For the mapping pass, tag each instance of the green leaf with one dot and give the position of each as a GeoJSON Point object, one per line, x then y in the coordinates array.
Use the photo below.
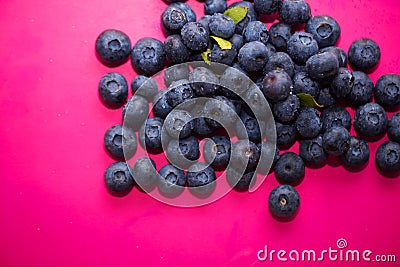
{"type": "Point", "coordinates": [206, 56]}
{"type": "Point", "coordinates": [237, 13]}
{"type": "Point", "coordinates": [222, 43]}
{"type": "Point", "coordinates": [306, 100]}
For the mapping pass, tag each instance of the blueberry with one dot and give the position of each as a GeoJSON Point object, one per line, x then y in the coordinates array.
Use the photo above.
{"type": "Point", "coordinates": [179, 92]}
{"type": "Point", "coordinates": [179, 124]}
{"type": "Point", "coordinates": [171, 181]}
{"type": "Point", "coordinates": [289, 169]}
{"type": "Point", "coordinates": [357, 155]}
{"type": "Point", "coordinates": [148, 87]}
{"type": "Point", "coordinates": [161, 108]}
{"type": "Point", "coordinates": [237, 41]}
{"type": "Point", "coordinates": [287, 110]}
{"type": "Point", "coordinates": [205, 21]}
{"type": "Point", "coordinates": [335, 116]}
{"type": "Point", "coordinates": [364, 54]}
{"type": "Point", "coordinates": [256, 100]}
{"type": "Point", "coordinates": [145, 174]}
{"type": "Point", "coordinates": [238, 182]}
{"type": "Point", "coordinates": [370, 121]}
{"type": "Point", "coordinates": [340, 54]}
{"type": "Point", "coordinates": [221, 111]}
{"type": "Point", "coordinates": [176, 73]}
{"type": "Point", "coordinates": [135, 112]}
{"type": "Point", "coordinates": [201, 127]}
{"type": "Point", "coordinates": [173, 19]}
{"type": "Point", "coordinates": [148, 56]}
{"type": "Point", "coordinates": [295, 12]}
{"type": "Point", "coordinates": [182, 152]}
{"type": "Point", "coordinates": [308, 123]}
{"type": "Point", "coordinates": [336, 140]}
{"type": "Point", "coordinates": [118, 179]}
{"type": "Point", "coordinates": [277, 85]}
{"type": "Point", "coordinates": [312, 152]}
{"type": "Point", "coordinates": [195, 36]}
{"type": "Point", "coordinates": [113, 47]}
{"type": "Point", "coordinates": [120, 142]}
{"type": "Point", "coordinates": [217, 151]}
{"type": "Point", "coordinates": [280, 61]}
{"type": "Point", "coordinates": [150, 134]}
{"type": "Point", "coordinates": [256, 31]}
{"type": "Point", "coordinates": [201, 179]}
{"type": "Point", "coordinates": [214, 6]}
{"type": "Point", "coordinates": [223, 56]}
{"type": "Point", "coordinates": [393, 129]}
{"type": "Point", "coordinates": [325, 29]}
{"type": "Point", "coordinates": [204, 82]}
{"type": "Point", "coordinates": [301, 46]}
{"type": "Point", "coordinates": [279, 35]}
{"type": "Point", "coordinates": [267, 6]}
{"type": "Point", "coordinates": [387, 159]}
{"type": "Point", "coordinates": [113, 89]}
{"type": "Point", "coordinates": [342, 83]}
{"type": "Point", "coordinates": [322, 67]}
{"type": "Point", "coordinates": [245, 155]}
{"type": "Point", "coordinates": [235, 80]}
{"type": "Point", "coordinates": [362, 90]}
{"type": "Point", "coordinates": [285, 135]}
{"type": "Point", "coordinates": [190, 14]}
{"type": "Point", "coordinates": [267, 149]}
{"type": "Point", "coordinates": [325, 97]}
{"type": "Point", "coordinates": [253, 56]}
{"type": "Point", "coordinates": [221, 25]}
{"type": "Point", "coordinates": [251, 128]}
{"type": "Point", "coordinates": [284, 202]}
{"type": "Point", "coordinates": [235, 105]}
{"type": "Point", "coordinates": [387, 90]}
{"type": "Point", "coordinates": [303, 83]}
{"type": "Point", "coordinates": [175, 49]}
{"type": "Point", "coordinates": [250, 16]}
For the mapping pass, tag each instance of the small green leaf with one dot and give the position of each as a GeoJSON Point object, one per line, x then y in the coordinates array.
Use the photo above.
{"type": "Point", "coordinates": [306, 100]}
{"type": "Point", "coordinates": [237, 13]}
{"type": "Point", "coordinates": [206, 56]}
{"type": "Point", "coordinates": [222, 43]}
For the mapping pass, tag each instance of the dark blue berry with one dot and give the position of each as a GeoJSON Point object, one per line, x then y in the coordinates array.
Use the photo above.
{"type": "Point", "coordinates": [120, 142]}
{"type": "Point", "coordinates": [201, 127]}
{"type": "Point", "coordinates": [250, 16]}
{"type": "Point", "coordinates": [145, 173]}
{"type": "Point", "coordinates": [387, 159]}
{"type": "Point", "coordinates": [237, 41]}
{"type": "Point", "coordinates": [217, 151]}
{"type": "Point", "coordinates": [235, 80]}
{"type": "Point", "coordinates": [201, 179]}
{"type": "Point", "coordinates": [335, 116]}
{"type": "Point", "coordinates": [150, 134]}
{"type": "Point", "coordinates": [312, 152]}
{"type": "Point", "coordinates": [253, 56]}
{"type": "Point", "coordinates": [214, 6]}
{"type": "Point", "coordinates": [148, 56]}
{"type": "Point", "coordinates": [195, 36]}
{"type": "Point", "coordinates": [336, 140]}
{"type": "Point", "coordinates": [340, 54]}
{"type": "Point", "coordinates": [295, 12]}
{"type": "Point", "coordinates": [362, 90]}
{"type": "Point", "coordinates": [285, 135]}
{"type": "Point", "coordinates": [223, 56]}
{"type": "Point", "coordinates": [342, 83]}
{"type": "Point", "coordinates": [322, 67]}
{"type": "Point", "coordinates": [280, 61]}
{"type": "Point", "coordinates": [303, 83]}
{"type": "Point", "coordinates": [256, 31]}
{"type": "Point", "coordinates": [171, 181]}
{"type": "Point", "coordinates": [277, 85]}
{"type": "Point", "coordinates": [238, 182]}
{"type": "Point", "coordinates": [267, 6]}
{"type": "Point", "coordinates": [251, 128]}
{"type": "Point", "coordinates": [113, 89]}
{"type": "Point", "coordinates": [175, 49]}
{"type": "Point", "coordinates": [179, 124]}
{"type": "Point", "coordinates": [308, 123]}
{"type": "Point", "coordinates": [182, 152]}
{"type": "Point", "coordinates": [113, 47]}
{"type": "Point", "coordinates": [387, 90]}
{"type": "Point", "coordinates": [364, 54]}
{"type": "Point", "coordinates": [279, 35]}
{"type": "Point", "coordinates": [161, 108]}
{"type": "Point", "coordinates": [301, 46]}
{"type": "Point", "coordinates": [189, 12]}
{"type": "Point", "coordinates": [289, 169]}
{"type": "Point", "coordinates": [325, 29]}
{"type": "Point", "coordinates": [148, 87]}
{"type": "Point", "coordinates": [179, 92]}
{"type": "Point", "coordinates": [221, 25]}
{"type": "Point", "coordinates": [173, 19]}
{"type": "Point", "coordinates": [204, 82]}
{"type": "Point", "coordinates": [284, 202]}
{"type": "Point", "coordinates": [287, 110]}
{"type": "Point", "coordinates": [357, 155]}
{"type": "Point", "coordinates": [135, 112]}
{"type": "Point", "coordinates": [118, 179]}
{"type": "Point", "coordinates": [370, 121]}
{"type": "Point", "coordinates": [393, 129]}
{"type": "Point", "coordinates": [245, 155]}
{"type": "Point", "coordinates": [325, 97]}
{"type": "Point", "coordinates": [176, 73]}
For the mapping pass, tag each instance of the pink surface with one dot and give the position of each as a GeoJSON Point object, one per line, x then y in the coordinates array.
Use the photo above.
{"type": "Point", "coordinates": [54, 208]}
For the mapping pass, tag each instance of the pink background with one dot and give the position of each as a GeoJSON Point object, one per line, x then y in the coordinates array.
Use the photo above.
{"type": "Point", "coordinates": [54, 208]}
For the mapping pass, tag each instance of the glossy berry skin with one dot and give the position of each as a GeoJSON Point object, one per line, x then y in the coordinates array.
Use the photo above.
{"type": "Point", "coordinates": [387, 90]}
{"type": "Point", "coordinates": [205, 21]}
{"type": "Point", "coordinates": [217, 151]}
{"type": "Point", "coordinates": [150, 133]}
{"type": "Point", "coordinates": [135, 112]}
{"type": "Point", "coordinates": [175, 49]}
{"type": "Point", "coordinates": [176, 73]}
{"type": "Point", "coordinates": [201, 127]}
{"type": "Point", "coordinates": [322, 67]}
{"type": "Point", "coordinates": [214, 6]}
{"type": "Point", "coordinates": [325, 97]}
{"type": "Point", "coordinates": [204, 82]}
{"type": "Point", "coordinates": [251, 15]}
{"type": "Point", "coordinates": [364, 54]}
{"type": "Point", "coordinates": [289, 169]}
{"type": "Point", "coordinates": [287, 110]}
{"type": "Point", "coordinates": [113, 90]}
{"type": "Point", "coordinates": [171, 181]}
{"type": "Point", "coordinates": [312, 152]}
{"type": "Point", "coordinates": [179, 124]}
{"type": "Point", "coordinates": [183, 152]}
{"type": "Point", "coordinates": [245, 155]}
{"type": "Point", "coordinates": [118, 179]}
{"type": "Point", "coordinates": [145, 173]}
{"type": "Point", "coordinates": [362, 90]}
{"type": "Point", "coordinates": [201, 179]}
{"type": "Point", "coordinates": [195, 36]}
{"type": "Point", "coordinates": [223, 56]}
{"type": "Point", "coordinates": [336, 140]}
{"type": "Point", "coordinates": [370, 121]}
{"type": "Point", "coordinates": [285, 135]}
{"type": "Point", "coordinates": [325, 29]}
{"type": "Point", "coordinates": [393, 129]}
{"type": "Point", "coordinates": [252, 129]}
{"type": "Point", "coordinates": [256, 31]}
{"type": "Point", "coordinates": [179, 92]}
{"type": "Point", "coordinates": [357, 155]}
{"type": "Point", "coordinates": [340, 54]}
{"type": "Point", "coordinates": [303, 83]}
{"type": "Point", "coordinates": [189, 12]}
{"type": "Point", "coordinates": [342, 83]}
{"type": "Point", "coordinates": [280, 61]}
{"type": "Point", "coordinates": [279, 35]}
{"type": "Point", "coordinates": [173, 19]}
{"type": "Point", "coordinates": [161, 108]}
{"type": "Point", "coordinates": [284, 202]}
{"type": "Point", "coordinates": [236, 41]}
{"type": "Point", "coordinates": [113, 47]}
{"type": "Point", "coordinates": [308, 123]}
{"type": "Point", "coordinates": [276, 85]}
{"type": "Point", "coordinates": [335, 116]}
{"type": "Point", "coordinates": [387, 158]}
{"type": "Point", "coordinates": [120, 142]}
{"type": "Point", "coordinates": [238, 182]}
{"type": "Point", "coordinates": [148, 87]}
{"type": "Point", "coordinates": [253, 56]}
{"type": "Point", "coordinates": [301, 46]}
{"type": "Point", "coordinates": [267, 6]}
{"type": "Point", "coordinates": [294, 12]}
{"type": "Point", "coordinates": [148, 56]}
{"type": "Point", "coordinates": [221, 25]}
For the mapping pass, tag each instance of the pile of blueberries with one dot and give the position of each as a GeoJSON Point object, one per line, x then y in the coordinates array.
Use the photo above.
{"type": "Point", "coordinates": [301, 73]}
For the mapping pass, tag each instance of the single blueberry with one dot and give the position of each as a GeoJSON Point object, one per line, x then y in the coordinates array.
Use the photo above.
{"type": "Point", "coordinates": [118, 179]}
